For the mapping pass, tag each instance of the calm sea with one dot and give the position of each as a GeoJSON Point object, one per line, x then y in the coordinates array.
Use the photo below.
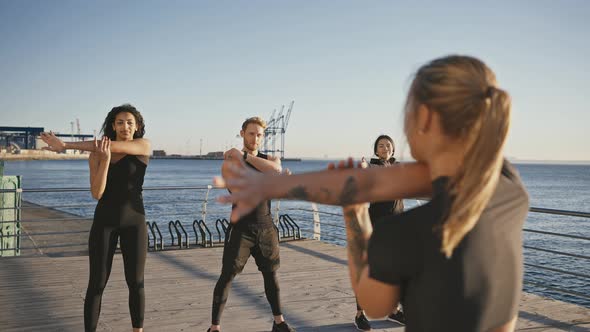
{"type": "Point", "coordinates": [565, 187]}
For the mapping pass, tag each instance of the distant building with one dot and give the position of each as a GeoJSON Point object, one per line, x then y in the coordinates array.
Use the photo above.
{"type": "Point", "coordinates": [27, 138]}
{"type": "Point", "coordinates": [215, 155]}
{"type": "Point", "coordinates": [19, 137]}
{"type": "Point", "coordinates": [159, 153]}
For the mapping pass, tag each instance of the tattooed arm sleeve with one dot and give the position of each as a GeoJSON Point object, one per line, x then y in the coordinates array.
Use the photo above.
{"type": "Point", "coordinates": [358, 232]}
{"type": "Point", "coordinates": [350, 186]}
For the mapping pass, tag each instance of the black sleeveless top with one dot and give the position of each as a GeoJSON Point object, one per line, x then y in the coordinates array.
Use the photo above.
{"type": "Point", "coordinates": [125, 181]}
{"type": "Point", "coordinates": [378, 210]}
{"type": "Point", "coordinates": [261, 216]}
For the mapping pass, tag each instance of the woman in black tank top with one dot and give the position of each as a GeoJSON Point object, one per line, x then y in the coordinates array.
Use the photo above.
{"type": "Point", "coordinates": [384, 149]}
{"type": "Point", "coordinates": [117, 169]}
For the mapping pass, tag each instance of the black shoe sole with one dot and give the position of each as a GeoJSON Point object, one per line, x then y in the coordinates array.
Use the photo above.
{"type": "Point", "coordinates": [358, 328]}
{"type": "Point", "coordinates": [395, 321]}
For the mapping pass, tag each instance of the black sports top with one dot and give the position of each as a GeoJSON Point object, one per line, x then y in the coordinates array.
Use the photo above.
{"type": "Point", "coordinates": [378, 210]}
{"type": "Point", "coordinates": [125, 180]}
{"type": "Point", "coordinates": [261, 216]}
{"type": "Point", "coordinates": [479, 287]}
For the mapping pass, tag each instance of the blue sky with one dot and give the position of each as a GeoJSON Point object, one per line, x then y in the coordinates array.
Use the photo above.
{"type": "Point", "coordinates": [197, 69]}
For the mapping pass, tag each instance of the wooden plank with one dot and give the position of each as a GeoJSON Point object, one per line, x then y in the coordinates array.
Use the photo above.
{"type": "Point", "coordinates": [46, 293]}
{"type": "Point", "coordinates": [45, 244]}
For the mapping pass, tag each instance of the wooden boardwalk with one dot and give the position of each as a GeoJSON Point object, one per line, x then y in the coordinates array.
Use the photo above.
{"type": "Point", "coordinates": [46, 294]}
{"type": "Point", "coordinates": [42, 232]}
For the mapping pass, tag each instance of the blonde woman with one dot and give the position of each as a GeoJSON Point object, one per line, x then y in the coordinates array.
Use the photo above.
{"type": "Point", "coordinates": [462, 263]}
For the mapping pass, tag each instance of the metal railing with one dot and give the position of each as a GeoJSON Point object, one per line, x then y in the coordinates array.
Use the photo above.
{"type": "Point", "coordinates": [155, 238]}
{"type": "Point", "coordinates": [586, 277]}
{"type": "Point", "coordinates": [224, 227]}
{"type": "Point", "coordinates": [178, 236]}
{"type": "Point", "coordinates": [287, 227]}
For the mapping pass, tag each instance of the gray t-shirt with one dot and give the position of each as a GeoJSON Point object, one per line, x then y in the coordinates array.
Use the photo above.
{"type": "Point", "coordinates": [479, 287]}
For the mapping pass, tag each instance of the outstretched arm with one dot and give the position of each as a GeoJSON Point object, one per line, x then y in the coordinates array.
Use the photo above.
{"type": "Point", "coordinates": [138, 146]}
{"type": "Point", "coordinates": [335, 187]}
{"type": "Point", "coordinates": [378, 299]}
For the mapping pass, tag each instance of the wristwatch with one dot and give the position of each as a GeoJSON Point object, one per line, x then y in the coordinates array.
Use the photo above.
{"type": "Point", "coordinates": [245, 155]}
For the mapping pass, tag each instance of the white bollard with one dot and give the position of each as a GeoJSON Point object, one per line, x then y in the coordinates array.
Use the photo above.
{"type": "Point", "coordinates": [317, 229]}
{"type": "Point", "coordinates": [204, 205]}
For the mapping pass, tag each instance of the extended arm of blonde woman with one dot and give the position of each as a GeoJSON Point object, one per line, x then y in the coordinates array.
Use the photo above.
{"type": "Point", "coordinates": [377, 298]}
{"type": "Point", "coordinates": [335, 187]}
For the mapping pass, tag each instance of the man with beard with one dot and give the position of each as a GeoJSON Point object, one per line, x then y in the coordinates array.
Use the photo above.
{"type": "Point", "coordinates": [252, 235]}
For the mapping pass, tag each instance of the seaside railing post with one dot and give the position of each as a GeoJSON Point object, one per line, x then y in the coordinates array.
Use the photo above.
{"type": "Point", "coordinates": [17, 214]}
{"type": "Point", "coordinates": [204, 205]}
{"type": "Point", "coordinates": [277, 210]}
{"type": "Point", "coordinates": [10, 201]}
{"type": "Point", "coordinates": [2, 195]}
{"type": "Point", "coordinates": [317, 229]}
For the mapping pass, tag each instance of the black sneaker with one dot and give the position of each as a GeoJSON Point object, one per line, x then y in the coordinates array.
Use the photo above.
{"type": "Point", "coordinates": [397, 317]}
{"type": "Point", "coordinates": [362, 323]}
{"type": "Point", "coordinates": [283, 327]}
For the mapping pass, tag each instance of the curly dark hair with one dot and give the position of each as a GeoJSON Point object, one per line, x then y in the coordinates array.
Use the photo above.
{"type": "Point", "coordinates": [107, 126]}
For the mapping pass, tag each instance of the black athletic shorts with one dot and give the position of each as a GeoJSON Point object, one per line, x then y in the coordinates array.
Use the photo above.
{"type": "Point", "coordinates": [261, 243]}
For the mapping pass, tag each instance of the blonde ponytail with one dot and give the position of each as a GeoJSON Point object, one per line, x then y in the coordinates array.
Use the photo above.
{"type": "Point", "coordinates": [476, 181]}
{"type": "Point", "coordinates": [462, 90]}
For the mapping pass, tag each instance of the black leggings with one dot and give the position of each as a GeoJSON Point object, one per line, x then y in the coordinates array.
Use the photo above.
{"type": "Point", "coordinates": [240, 244]}
{"type": "Point", "coordinates": [221, 293]}
{"type": "Point", "coordinates": [113, 222]}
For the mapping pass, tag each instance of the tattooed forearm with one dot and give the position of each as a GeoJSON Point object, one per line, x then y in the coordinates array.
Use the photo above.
{"type": "Point", "coordinates": [327, 193]}
{"type": "Point", "coordinates": [349, 192]}
{"type": "Point", "coordinates": [323, 195]}
{"type": "Point", "coordinates": [358, 229]}
{"type": "Point", "coordinates": [301, 193]}
{"type": "Point", "coordinates": [298, 192]}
